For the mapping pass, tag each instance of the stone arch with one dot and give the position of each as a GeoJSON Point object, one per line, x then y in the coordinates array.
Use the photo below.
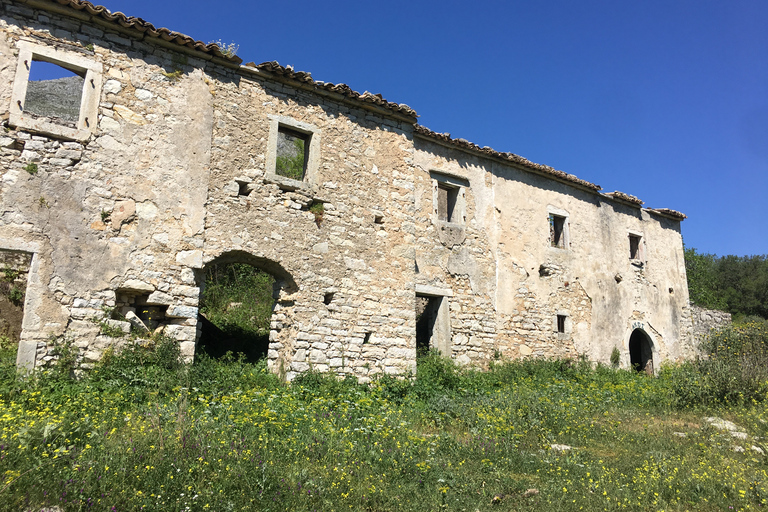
{"type": "Point", "coordinates": [283, 279]}
{"type": "Point", "coordinates": [641, 352]}
{"type": "Point", "coordinates": [216, 339]}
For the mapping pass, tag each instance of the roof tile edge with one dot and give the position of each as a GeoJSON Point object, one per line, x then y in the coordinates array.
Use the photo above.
{"type": "Point", "coordinates": [509, 157]}
{"type": "Point", "coordinates": [138, 24]}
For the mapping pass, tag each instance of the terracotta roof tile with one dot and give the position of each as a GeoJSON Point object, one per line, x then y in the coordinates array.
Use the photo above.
{"type": "Point", "coordinates": [509, 157]}
{"type": "Point", "coordinates": [621, 196]}
{"type": "Point", "coordinates": [146, 28]}
{"type": "Point", "coordinates": [666, 212]}
{"type": "Point", "coordinates": [302, 76]}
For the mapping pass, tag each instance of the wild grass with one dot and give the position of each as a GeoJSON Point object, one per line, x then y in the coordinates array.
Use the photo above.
{"type": "Point", "coordinates": [143, 432]}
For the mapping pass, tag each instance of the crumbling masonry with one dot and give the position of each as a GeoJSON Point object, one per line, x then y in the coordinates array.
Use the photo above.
{"type": "Point", "coordinates": [173, 156]}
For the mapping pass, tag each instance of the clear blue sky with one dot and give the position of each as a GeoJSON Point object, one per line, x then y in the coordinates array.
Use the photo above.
{"type": "Point", "coordinates": [664, 100]}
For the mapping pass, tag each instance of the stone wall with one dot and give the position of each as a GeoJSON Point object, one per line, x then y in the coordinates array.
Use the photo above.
{"type": "Point", "coordinates": [171, 166]}
{"type": "Point", "coordinates": [704, 320]}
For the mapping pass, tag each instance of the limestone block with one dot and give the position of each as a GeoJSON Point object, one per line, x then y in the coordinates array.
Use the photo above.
{"type": "Point", "coordinates": [125, 327]}
{"type": "Point", "coordinates": [192, 259]}
{"type": "Point", "coordinates": [317, 356]}
{"type": "Point", "coordinates": [129, 115]}
{"type": "Point", "coordinates": [186, 291]}
{"type": "Point", "coordinates": [181, 332]}
{"type": "Point", "coordinates": [159, 298]}
{"type": "Point", "coordinates": [181, 312]}
{"type": "Point", "coordinates": [137, 322]}
{"type": "Point", "coordinates": [134, 285]}
{"type": "Point", "coordinates": [109, 125]}
{"type": "Point", "coordinates": [143, 94]}
{"type": "Point", "coordinates": [112, 87]}
{"type": "Point", "coordinates": [187, 349]}
{"type": "Point", "coordinates": [124, 211]}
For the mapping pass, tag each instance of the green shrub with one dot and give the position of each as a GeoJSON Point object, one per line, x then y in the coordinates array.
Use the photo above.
{"type": "Point", "coordinates": [615, 357]}
{"type": "Point", "coordinates": [734, 368]}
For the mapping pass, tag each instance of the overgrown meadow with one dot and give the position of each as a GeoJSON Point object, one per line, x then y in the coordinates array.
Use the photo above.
{"type": "Point", "coordinates": [143, 432]}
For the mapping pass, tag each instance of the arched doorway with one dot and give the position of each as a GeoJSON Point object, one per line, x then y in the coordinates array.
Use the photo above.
{"type": "Point", "coordinates": [238, 296]}
{"type": "Point", "coordinates": [641, 352]}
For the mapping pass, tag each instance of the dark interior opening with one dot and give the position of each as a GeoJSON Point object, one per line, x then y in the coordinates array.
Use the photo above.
{"type": "Point", "coordinates": [640, 351]}
{"type": "Point", "coordinates": [236, 310]}
{"type": "Point", "coordinates": [634, 247]}
{"type": "Point", "coordinates": [560, 323]}
{"type": "Point", "coordinates": [426, 316]}
{"type": "Point", "coordinates": [557, 230]}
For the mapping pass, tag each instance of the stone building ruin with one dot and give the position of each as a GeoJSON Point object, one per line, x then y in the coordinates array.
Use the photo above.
{"type": "Point", "coordinates": [176, 156]}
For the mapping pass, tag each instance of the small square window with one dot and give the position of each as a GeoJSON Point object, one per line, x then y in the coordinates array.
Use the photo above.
{"type": "Point", "coordinates": [292, 153]}
{"type": "Point", "coordinates": [55, 92]}
{"type": "Point", "coordinates": [446, 202]}
{"type": "Point", "coordinates": [291, 157]}
{"type": "Point", "coordinates": [635, 247]}
{"type": "Point", "coordinates": [561, 323]}
{"type": "Point", "coordinates": [557, 231]}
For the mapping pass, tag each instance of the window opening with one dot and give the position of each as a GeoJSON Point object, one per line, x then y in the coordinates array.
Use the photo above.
{"type": "Point", "coordinates": [152, 316]}
{"type": "Point", "coordinates": [328, 298]}
{"type": "Point", "coordinates": [54, 91]}
{"type": "Point", "coordinates": [378, 219]}
{"type": "Point", "coordinates": [634, 247]}
{"type": "Point", "coordinates": [366, 338]}
{"type": "Point", "coordinates": [557, 230]}
{"type": "Point", "coordinates": [446, 202]}
{"type": "Point", "coordinates": [561, 323]}
{"type": "Point", "coordinates": [291, 159]}
{"type": "Point", "coordinates": [427, 309]}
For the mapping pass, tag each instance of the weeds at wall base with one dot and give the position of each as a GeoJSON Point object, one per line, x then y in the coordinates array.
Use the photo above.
{"type": "Point", "coordinates": [143, 430]}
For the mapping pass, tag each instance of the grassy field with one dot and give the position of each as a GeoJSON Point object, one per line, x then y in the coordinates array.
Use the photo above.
{"type": "Point", "coordinates": [142, 432]}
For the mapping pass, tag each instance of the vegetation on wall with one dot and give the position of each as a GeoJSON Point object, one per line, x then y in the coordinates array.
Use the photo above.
{"type": "Point", "coordinates": [290, 160]}
{"type": "Point", "coordinates": [737, 284]}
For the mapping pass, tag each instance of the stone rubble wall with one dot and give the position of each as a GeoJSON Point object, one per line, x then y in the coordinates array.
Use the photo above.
{"type": "Point", "coordinates": [364, 175]}
{"type": "Point", "coordinates": [121, 212]}
{"type": "Point", "coordinates": [705, 320]}
{"type": "Point", "coordinates": [178, 174]}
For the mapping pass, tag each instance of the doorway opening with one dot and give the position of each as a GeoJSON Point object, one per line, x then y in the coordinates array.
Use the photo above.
{"type": "Point", "coordinates": [641, 352]}
{"type": "Point", "coordinates": [427, 310]}
{"type": "Point", "coordinates": [239, 293]}
{"type": "Point", "coordinates": [433, 324]}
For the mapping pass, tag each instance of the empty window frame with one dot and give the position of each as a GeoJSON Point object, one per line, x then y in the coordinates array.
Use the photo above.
{"type": "Point", "coordinates": [561, 323]}
{"type": "Point", "coordinates": [446, 202]}
{"type": "Point", "coordinates": [292, 152]}
{"type": "Point", "coordinates": [449, 197]}
{"type": "Point", "coordinates": [558, 230]}
{"type": "Point", "coordinates": [55, 92]}
{"type": "Point", "coordinates": [636, 247]}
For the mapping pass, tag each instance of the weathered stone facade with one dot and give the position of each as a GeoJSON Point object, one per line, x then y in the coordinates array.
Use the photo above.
{"type": "Point", "coordinates": [171, 166]}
